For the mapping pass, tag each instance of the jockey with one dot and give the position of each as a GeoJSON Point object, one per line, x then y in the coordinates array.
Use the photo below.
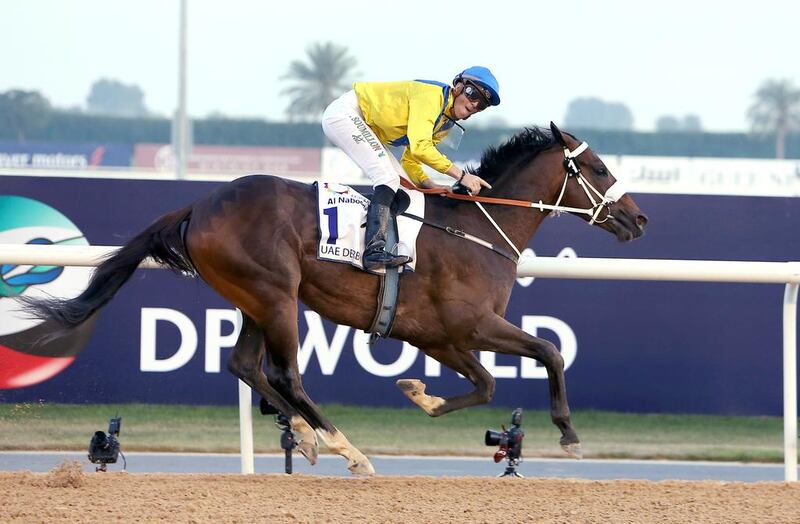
{"type": "Point", "coordinates": [417, 114]}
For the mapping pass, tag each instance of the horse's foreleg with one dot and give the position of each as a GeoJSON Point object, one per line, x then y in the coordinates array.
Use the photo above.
{"type": "Point", "coordinates": [462, 362]}
{"type": "Point", "coordinates": [246, 363]}
{"type": "Point", "coordinates": [501, 336]}
{"type": "Point", "coordinates": [281, 336]}
{"type": "Point", "coordinates": [287, 381]}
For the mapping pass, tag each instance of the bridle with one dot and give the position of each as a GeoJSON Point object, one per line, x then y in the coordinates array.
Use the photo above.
{"type": "Point", "coordinates": [614, 192]}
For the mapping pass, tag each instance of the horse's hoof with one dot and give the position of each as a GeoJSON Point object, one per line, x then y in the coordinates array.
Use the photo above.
{"type": "Point", "coordinates": [573, 450]}
{"type": "Point", "coordinates": [414, 389]}
{"type": "Point", "coordinates": [362, 468]}
{"type": "Point", "coordinates": [411, 386]}
{"type": "Point", "coordinates": [309, 450]}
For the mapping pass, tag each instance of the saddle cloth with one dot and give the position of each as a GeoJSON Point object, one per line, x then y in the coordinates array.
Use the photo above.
{"type": "Point", "coordinates": [341, 213]}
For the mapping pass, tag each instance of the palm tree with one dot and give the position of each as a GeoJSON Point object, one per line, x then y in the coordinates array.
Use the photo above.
{"type": "Point", "coordinates": [318, 82]}
{"type": "Point", "coordinates": [776, 110]}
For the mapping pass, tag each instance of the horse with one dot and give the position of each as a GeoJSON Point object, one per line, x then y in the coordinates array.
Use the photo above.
{"type": "Point", "coordinates": [254, 241]}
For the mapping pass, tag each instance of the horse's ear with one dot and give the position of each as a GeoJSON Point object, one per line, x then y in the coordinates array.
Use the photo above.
{"type": "Point", "coordinates": [557, 134]}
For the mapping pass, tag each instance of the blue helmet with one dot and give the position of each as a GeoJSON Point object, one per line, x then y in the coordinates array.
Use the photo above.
{"type": "Point", "coordinates": [484, 78]}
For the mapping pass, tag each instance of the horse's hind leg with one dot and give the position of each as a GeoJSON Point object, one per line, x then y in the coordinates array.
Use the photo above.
{"type": "Point", "coordinates": [462, 362]}
{"type": "Point", "coordinates": [501, 336]}
{"type": "Point", "coordinates": [279, 325]}
{"type": "Point", "coordinates": [246, 363]}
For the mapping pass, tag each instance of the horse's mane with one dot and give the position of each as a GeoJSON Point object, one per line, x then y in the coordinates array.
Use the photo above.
{"type": "Point", "coordinates": [521, 148]}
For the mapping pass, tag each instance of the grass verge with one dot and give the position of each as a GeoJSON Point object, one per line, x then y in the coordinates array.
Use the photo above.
{"type": "Point", "coordinates": [397, 431]}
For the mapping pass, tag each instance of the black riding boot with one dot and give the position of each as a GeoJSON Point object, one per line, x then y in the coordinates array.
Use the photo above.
{"type": "Point", "coordinates": [378, 223]}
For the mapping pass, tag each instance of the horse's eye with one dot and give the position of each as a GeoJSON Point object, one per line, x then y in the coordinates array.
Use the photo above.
{"type": "Point", "coordinates": [601, 172]}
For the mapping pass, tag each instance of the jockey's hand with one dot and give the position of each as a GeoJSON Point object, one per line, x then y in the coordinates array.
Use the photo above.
{"type": "Point", "coordinates": [430, 184]}
{"type": "Point", "coordinates": [474, 183]}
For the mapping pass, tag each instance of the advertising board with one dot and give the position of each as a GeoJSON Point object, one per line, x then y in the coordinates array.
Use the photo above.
{"type": "Point", "coordinates": [629, 346]}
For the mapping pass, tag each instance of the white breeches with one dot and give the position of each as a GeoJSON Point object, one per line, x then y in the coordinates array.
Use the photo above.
{"type": "Point", "coordinates": [343, 124]}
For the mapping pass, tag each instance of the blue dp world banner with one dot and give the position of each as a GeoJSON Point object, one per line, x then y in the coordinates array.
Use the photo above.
{"type": "Point", "coordinates": [629, 346]}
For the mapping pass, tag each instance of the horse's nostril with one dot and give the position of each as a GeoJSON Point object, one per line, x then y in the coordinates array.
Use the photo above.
{"type": "Point", "coordinates": [641, 221]}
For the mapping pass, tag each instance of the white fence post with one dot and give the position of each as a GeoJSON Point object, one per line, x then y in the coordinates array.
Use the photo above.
{"type": "Point", "coordinates": [246, 428]}
{"type": "Point", "coordinates": [790, 383]}
{"type": "Point", "coordinates": [245, 418]}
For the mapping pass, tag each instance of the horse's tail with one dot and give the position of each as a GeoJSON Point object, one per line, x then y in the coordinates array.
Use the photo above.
{"type": "Point", "coordinates": [162, 241]}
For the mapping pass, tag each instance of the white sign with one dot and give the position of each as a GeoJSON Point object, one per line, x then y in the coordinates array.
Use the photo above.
{"type": "Point", "coordinates": [221, 332]}
{"type": "Point", "coordinates": [706, 176]}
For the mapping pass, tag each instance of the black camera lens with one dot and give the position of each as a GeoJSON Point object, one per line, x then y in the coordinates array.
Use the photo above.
{"type": "Point", "coordinates": [493, 437]}
{"type": "Point", "coordinates": [99, 442]}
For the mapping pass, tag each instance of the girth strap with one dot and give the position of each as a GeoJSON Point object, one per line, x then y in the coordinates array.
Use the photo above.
{"type": "Point", "coordinates": [387, 292]}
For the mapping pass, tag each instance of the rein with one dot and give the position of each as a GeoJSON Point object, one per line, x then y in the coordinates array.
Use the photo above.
{"type": "Point", "coordinates": [571, 169]}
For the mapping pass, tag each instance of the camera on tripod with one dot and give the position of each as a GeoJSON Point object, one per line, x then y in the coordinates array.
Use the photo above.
{"type": "Point", "coordinates": [509, 442]}
{"type": "Point", "coordinates": [104, 447]}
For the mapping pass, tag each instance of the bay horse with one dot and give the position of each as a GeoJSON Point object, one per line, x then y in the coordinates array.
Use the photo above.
{"type": "Point", "coordinates": [254, 240]}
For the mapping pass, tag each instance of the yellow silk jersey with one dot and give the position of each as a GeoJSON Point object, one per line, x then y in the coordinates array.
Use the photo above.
{"type": "Point", "coordinates": [410, 113]}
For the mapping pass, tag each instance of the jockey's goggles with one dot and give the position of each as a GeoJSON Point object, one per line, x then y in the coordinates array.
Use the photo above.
{"type": "Point", "coordinates": [475, 93]}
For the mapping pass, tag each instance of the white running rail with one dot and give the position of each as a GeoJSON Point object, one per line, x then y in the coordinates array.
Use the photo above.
{"type": "Point", "coordinates": [787, 273]}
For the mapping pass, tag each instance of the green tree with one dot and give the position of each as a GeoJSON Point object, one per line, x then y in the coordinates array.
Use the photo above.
{"type": "Point", "coordinates": [692, 123]}
{"type": "Point", "coordinates": [23, 112]}
{"type": "Point", "coordinates": [776, 110]}
{"type": "Point", "coordinates": [593, 113]}
{"type": "Point", "coordinates": [111, 97]}
{"type": "Point", "coordinates": [673, 124]}
{"type": "Point", "coordinates": [668, 124]}
{"type": "Point", "coordinates": [316, 83]}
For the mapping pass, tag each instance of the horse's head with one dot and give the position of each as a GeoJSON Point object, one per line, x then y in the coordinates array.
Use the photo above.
{"type": "Point", "coordinates": [589, 190]}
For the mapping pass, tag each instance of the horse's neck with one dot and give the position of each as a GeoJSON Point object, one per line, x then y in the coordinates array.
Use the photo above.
{"type": "Point", "coordinates": [520, 223]}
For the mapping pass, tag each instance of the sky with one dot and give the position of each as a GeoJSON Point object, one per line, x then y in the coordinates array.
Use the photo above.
{"type": "Point", "coordinates": [659, 58]}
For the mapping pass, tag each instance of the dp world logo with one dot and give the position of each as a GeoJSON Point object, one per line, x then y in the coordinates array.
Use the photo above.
{"type": "Point", "coordinates": [24, 362]}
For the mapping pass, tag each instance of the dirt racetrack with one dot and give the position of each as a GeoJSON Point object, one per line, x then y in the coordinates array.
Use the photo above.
{"type": "Point", "coordinates": [68, 495]}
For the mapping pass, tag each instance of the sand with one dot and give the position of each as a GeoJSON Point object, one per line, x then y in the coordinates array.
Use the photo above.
{"type": "Point", "coordinates": [67, 494]}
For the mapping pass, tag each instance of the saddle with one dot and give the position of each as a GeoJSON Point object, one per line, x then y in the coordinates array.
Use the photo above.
{"type": "Point", "coordinates": [341, 215]}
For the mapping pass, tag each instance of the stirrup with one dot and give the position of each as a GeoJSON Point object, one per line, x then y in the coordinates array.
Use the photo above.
{"type": "Point", "coordinates": [384, 259]}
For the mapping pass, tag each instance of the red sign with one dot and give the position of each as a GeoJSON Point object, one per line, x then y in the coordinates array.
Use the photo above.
{"type": "Point", "coordinates": [233, 159]}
